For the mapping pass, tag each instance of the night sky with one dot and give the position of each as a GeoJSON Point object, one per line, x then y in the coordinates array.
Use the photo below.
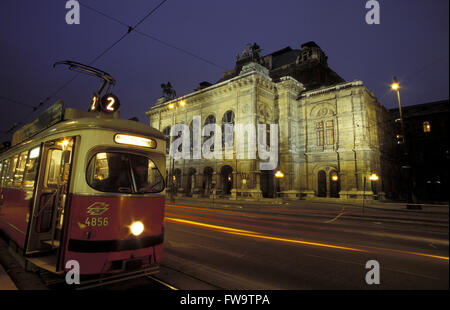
{"type": "Point", "coordinates": [411, 42]}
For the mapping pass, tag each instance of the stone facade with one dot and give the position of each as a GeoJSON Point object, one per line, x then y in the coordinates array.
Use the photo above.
{"type": "Point", "coordinates": [329, 138]}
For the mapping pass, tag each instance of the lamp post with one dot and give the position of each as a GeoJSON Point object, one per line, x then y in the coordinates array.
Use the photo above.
{"type": "Point", "coordinates": [278, 175]}
{"type": "Point", "coordinates": [334, 191]}
{"type": "Point", "coordinates": [373, 177]}
{"type": "Point", "coordinates": [174, 106]}
{"type": "Point", "coordinates": [395, 86]}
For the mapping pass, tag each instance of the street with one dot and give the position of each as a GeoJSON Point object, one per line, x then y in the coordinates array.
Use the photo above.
{"type": "Point", "coordinates": [307, 246]}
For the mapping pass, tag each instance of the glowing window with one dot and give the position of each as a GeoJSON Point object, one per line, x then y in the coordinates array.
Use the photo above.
{"type": "Point", "coordinates": [31, 167]}
{"type": "Point", "coordinates": [12, 168]}
{"type": "Point", "coordinates": [20, 169]}
{"type": "Point", "coordinates": [426, 127]}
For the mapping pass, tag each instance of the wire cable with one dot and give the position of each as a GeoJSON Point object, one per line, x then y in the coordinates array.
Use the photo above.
{"type": "Point", "coordinates": [152, 37]}
{"type": "Point", "coordinates": [48, 98]}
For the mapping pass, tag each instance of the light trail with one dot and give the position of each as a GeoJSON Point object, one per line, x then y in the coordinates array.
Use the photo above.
{"type": "Point", "coordinates": [252, 234]}
{"type": "Point", "coordinates": [214, 227]}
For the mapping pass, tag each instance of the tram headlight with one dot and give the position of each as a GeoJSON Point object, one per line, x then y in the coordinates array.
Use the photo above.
{"type": "Point", "coordinates": [136, 228]}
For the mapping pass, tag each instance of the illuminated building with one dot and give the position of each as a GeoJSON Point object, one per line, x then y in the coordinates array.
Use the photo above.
{"type": "Point", "coordinates": [332, 133]}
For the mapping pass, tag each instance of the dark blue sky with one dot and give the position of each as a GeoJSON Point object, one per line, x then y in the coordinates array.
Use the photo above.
{"type": "Point", "coordinates": [411, 42]}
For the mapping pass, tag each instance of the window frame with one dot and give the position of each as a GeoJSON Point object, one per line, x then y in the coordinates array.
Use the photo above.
{"type": "Point", "coordinates": [130, 172]}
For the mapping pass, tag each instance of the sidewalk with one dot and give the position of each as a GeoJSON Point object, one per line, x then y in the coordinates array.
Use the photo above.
{"type": "Point", "coordinates": [397, 211]}
{"type": "Point", "coordinates": [370, 204]}
{"type": "Point", "coordinates": [5, 281]}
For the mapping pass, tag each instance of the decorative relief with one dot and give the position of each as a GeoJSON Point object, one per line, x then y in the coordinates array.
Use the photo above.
{"type": "Point", "coordinates": [322, 110]}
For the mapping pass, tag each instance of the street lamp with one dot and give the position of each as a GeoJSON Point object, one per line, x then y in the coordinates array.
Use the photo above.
{"type": "Point", "coordinates": [278, 175]}
{"type": "Point", "coordinates": [395, 86]}
{"type": "Point", "coordinates": [373, 177]}
{"type": "Point", "coordinates": [174, 106]}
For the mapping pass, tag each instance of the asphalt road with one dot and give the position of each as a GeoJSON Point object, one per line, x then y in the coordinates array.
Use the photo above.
{"type": "Point", "coordinates": [315, 246]}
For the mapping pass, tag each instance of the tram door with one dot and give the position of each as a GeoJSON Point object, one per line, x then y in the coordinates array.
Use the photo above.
{"type": "Point", "coordinates": [47, 212]}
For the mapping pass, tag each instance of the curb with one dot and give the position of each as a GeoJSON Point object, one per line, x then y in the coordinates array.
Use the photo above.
{"type": "Point", "coordinates": [22, 279]}
{"type": "Point", "coordinates": [261, 208]}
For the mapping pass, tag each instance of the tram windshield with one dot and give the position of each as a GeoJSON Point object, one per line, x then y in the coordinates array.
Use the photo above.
{"type": "Point", "coordinates": [124, 173]}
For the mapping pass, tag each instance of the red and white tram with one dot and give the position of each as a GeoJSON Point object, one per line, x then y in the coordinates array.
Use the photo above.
{"type": "Point", "coordinates": [89, 188]}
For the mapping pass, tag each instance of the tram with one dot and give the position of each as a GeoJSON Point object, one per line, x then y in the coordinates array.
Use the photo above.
{"type": "Point", "coordinates": [85, 186]}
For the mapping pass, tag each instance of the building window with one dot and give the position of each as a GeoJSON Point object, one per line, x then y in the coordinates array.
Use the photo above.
{"type": "Point", "coordinates": [166, 133]}
{"type": "Point", "coordinates": [228, 118]}
{"type": "Point", "coordinates": [325, 133]}
{"type": "Point", "coordinates": [211, 119]}
{"type": "Point", "coordinates": [320, 134]}
{"type": "Point", "coordinates": [330, 132]}
{"type": "Point", "coordinates": [426, 127]}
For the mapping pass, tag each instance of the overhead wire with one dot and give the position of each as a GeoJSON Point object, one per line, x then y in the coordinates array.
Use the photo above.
{"type": "Point", "coordinates": [152, 37]}
{"type": "Point", "coordinates": [48, 98]}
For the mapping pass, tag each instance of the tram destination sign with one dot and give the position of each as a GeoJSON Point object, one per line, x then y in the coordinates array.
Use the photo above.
{"type": "Point", "coordinates": [49, 117]}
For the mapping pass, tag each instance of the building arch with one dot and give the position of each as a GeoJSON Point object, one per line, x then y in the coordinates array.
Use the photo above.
{"type": "Point", "coordinates": [335, 183]}
{"type": "Point", "coordinates": [321, 183]}
{"type": "Point", "coordinates": [226, 174]}
{"type": "Point", "coordinates": [177, 179]}
{"type": "Point", "coordinates": [207, 180]}
{"type": "Point", "coordinates": [228, 118]}
{"type": "Point", "coordinates": [190, 181]}
{"type": "Point", "coordinates": [327, 180]}
{"type": "Point", "coordinates": [267, 183]}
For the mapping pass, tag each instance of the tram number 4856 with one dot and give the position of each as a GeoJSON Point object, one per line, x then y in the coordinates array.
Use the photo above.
{"type": "Point", "coordinates": [96, 221]}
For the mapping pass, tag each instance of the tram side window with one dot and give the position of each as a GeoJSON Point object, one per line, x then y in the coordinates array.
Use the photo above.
{"type": "Point", "coordinates": [4, 171]}
{"type": "Point", "coordinates": [31, 168]}
{"type": "Point", "coordinates": [54, 164]}
{"type": "Point", "coordinates": [20, 169]}
{"type": "Point", "coordinates": [11, 170]}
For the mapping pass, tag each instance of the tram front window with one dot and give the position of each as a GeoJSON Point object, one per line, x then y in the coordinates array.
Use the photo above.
{"type": "Point", "coordinates": [124, 173]}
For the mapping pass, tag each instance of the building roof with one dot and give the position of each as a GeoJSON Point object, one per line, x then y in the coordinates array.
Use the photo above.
{"type": "Point", "coordinates": [435, 107]}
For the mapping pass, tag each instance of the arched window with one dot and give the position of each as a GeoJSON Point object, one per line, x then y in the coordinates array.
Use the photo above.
{"type": "Point", "coordinates": [228, 118]}
{"type": "Point", "coordinates": [191, 134]}
{"type": "Point", "coordinates": [211, 119]}
{"type": "Point", "coordinates": [166, 133]}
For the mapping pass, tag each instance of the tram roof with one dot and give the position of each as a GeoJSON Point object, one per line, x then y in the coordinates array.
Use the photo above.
{"type": "Point", "coordinates": [70, 119]}
{"type": "Point", "coordinates": [119, 125]}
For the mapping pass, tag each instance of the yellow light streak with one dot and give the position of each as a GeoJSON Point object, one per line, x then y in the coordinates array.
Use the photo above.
{"type": "Point", "coordinates": [422, 254]}
{"type": "Point", "coordinates": [221, 228]}
{"type": "Point", "coordinates": [300, 242]}
{"type": "Point", "coordinates": [252, 234]}
{"type": "Point", "coordinates": [247, 233]}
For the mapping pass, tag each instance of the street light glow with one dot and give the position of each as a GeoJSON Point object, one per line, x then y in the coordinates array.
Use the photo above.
{"type": "Point", "coordinates": [279, 174]}
{"type": "Point", "coordinates": [395, 86]}
{"type": "Point", "coordinates": [374, 177]}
